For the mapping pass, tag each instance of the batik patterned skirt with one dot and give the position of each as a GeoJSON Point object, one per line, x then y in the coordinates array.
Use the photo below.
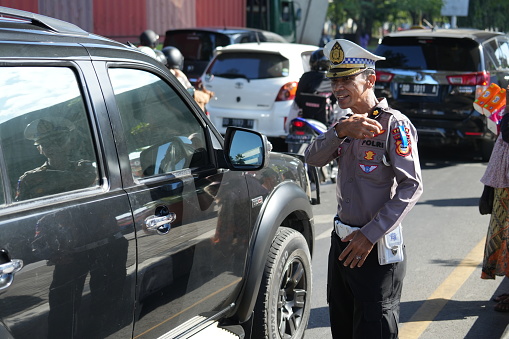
{"type": "Point", "coordinates": [496, 250]}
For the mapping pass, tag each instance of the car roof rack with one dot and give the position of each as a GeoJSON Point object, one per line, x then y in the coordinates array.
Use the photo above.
{"type": "Point", "coordinates": [53, 24]}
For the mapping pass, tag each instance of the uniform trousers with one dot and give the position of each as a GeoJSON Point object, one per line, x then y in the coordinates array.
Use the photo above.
{"type": "Point", "coordinates": [363, 301]}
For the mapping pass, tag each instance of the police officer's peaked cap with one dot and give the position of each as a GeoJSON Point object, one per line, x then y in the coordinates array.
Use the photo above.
{"type": "Point", "coordinates": [48, 127]}
{"type": "Point", "coordinates": [348, 58]}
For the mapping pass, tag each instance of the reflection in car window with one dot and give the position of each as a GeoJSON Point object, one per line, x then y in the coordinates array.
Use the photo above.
{"type": "Point", "coordinates": [250, 65]}
{"type": "Point", "coordinates": [45, 136]}
{"type": "Point", "coordinates": [2, 191]}
{"type": "Point", "coordinates": [162, 133]}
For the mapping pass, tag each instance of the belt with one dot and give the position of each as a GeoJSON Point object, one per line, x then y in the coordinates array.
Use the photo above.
{"type": "Point", "coordinates": [343, 230]}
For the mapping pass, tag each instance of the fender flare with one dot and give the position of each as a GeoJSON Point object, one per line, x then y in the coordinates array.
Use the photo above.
{"type": "Point", "coordinates": [288, 197]}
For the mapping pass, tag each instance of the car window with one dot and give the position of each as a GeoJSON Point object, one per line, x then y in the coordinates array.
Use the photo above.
{"type": "Point", "coordinates": [502, 52]}
{"type": "Point", "coordinates": [442, 54]}
{"type": "Point", "coordinates": [161, 131]}
{"type": "Point", "coordinates": [249, 65]}
{"type": "Point", "coordinates": [45, 137]}
{"type": "Point", "coordinates": [490, 60]}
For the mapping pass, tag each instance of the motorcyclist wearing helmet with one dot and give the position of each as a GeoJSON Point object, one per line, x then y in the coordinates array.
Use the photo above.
{"type": "Point", "coordinates": [315, 81]}
{"type": "Point", "coordinates": [148, 44]}
{"type": "Point", "coordinates": [312, 82]}
{"type": "Point", "coordinates": [175, 63]}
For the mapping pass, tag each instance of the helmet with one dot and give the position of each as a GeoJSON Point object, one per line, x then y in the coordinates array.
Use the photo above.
{"type": "Point", "coordinates": [174, 59]}
{"type": "Point", "coordinates": [149, 51]}
{"type": "Point", "coordinates": [149, 38]}
{"type": "Point", "coordinates": [48, 128]}
{"type": "Point", "coordinates": [160, 56]}
{"type": "Point", "coordinates": [318, 61]}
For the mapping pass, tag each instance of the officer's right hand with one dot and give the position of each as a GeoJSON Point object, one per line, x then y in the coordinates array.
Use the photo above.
{"type": "Point", "coordinates": [358, 126]}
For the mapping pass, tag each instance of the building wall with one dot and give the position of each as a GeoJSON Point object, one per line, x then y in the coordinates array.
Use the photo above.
{"type": "Point", "coordinates": [230, 13]}
{"type": "Point", "coordinates": [125, 20]}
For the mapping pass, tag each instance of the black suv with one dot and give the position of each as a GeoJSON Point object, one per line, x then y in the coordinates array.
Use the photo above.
{"type": "Point", "coordinates": [125, 214]}
{"type": "Point", "coordinates": [434, 76]}
{"type": "Point", "coordinates": [197, 45]}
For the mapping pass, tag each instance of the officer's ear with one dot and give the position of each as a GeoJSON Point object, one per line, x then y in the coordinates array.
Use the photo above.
{"type": "Point", "coordinates": [370, 79]}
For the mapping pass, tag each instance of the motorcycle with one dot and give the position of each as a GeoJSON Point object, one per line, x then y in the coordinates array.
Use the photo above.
{"type": "Point", "coordinates": [316, 112]}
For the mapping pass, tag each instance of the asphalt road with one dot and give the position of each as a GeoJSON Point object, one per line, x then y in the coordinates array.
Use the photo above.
{"type": "Point", "coordinates": [443, 295]}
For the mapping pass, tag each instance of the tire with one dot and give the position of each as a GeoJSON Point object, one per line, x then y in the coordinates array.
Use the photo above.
{"type": "Point", "coordinates": [284, 300]}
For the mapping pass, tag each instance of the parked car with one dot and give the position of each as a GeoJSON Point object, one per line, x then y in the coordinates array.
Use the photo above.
{"type": "Point", "coordinates": [197, 45]}
{"type": "Point", "coordinates": [255, 85]}
{"type": "Point", "coordinates": [123, 211]}
{"type": "Point", "coordinates": [434, 75]}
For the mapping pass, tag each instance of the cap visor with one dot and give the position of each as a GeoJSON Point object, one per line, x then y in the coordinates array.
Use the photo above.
{"type": "Point", "coordinates": [342, 72]}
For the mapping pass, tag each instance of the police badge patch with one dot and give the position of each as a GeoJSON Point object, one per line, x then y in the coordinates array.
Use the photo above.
{"type": "Point", "coordinates": [368, 168]}
{"type": "Point", "coordinates": [402, 136]}
{"type": "Point", "coordinates": [337, 55]}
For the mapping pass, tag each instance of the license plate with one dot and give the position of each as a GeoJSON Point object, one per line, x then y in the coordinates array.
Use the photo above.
{"type": "Point", "coordinates": [298, 139]}
{"type": "Point", "coordinates": [246, 123]}
{"type": "Point", "coordinates": [418, 89]}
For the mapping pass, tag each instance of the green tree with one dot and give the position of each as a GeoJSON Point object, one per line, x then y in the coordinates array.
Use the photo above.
{"type": "Point", "coordinates": [486, 14]}
{"type": "Point", "coordinates": [369, 15]}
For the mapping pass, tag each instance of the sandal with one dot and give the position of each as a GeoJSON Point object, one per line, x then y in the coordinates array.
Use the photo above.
{"type": "Point", "coordinates": [501, 297]}
{"type": "Point", "coordinates": [502, 305]}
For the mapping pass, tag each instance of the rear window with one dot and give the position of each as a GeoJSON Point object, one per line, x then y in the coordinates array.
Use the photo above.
{"type": "Point", "coordinates": [196, 45]}
{"type": "Point", "coordinates": [441, 54]}
{"type": "Point", "coordinates": [249, 65]}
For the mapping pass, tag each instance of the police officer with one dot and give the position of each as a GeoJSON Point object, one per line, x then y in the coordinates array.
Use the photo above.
{"type": "Point", "coordinates": [52, 137]}
{"type": "Point", "coordinates": [379, 181]}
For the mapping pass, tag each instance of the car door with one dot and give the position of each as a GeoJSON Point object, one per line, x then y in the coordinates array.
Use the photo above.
{"type": "Point", "coordinates": [67, 242]}
{"type": "Point", "coordinates": [191, 249]}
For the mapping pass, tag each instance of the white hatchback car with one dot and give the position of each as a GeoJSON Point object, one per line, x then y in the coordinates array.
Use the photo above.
{"type": "Point", "coordinates": [255, 84]}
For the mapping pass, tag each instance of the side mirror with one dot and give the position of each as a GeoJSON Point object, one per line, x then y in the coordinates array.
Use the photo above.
{"type": "Point", "coordinates": [245, 149]}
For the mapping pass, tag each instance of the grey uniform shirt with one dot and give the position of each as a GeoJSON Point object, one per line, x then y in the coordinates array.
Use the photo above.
{"type": "Point", "coordinates": [379, 179]}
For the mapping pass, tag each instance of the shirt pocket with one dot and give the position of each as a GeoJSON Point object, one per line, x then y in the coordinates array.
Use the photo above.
{"type": "Point", "coordinates": [372, 166]}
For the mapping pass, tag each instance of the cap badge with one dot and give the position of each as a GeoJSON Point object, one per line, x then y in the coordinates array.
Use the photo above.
{"type": "Point", "coordinates": [337, 55]}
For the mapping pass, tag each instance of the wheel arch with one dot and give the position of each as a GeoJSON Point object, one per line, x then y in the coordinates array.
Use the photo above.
{"type": "Point", "coordinates": [289, 206]}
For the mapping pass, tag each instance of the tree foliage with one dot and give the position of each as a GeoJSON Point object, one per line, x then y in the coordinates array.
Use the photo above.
{"type": "Point", "coordinates": [486, 14]}
{"type": "Point", "coordinates": [369, 15]}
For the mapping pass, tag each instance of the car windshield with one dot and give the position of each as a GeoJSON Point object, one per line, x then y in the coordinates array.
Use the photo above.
{"type": "Point", "coordinates": [441, 54]}
{"type": "Point", "coordinates": [196, 45]}
{"type": "Point", "coordinates": [249, 65]}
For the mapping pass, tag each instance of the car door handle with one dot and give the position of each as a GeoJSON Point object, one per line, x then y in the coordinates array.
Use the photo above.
{"type": "Point", "coordinates": [161, 224]}
{"type": "Point", "coordinates": [7, 271]}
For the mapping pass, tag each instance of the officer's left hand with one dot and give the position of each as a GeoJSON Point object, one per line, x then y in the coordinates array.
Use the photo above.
{"type": "Point", "coordinates": [359, 247]}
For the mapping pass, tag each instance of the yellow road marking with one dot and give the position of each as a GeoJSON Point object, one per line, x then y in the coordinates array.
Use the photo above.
{"type": "Point", "coordinates": [434, 304]}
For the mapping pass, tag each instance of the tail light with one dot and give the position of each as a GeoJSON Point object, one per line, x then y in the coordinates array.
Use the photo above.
{"type": "Point", "coordinates": [298, 127]}
{"type": "Point", "coordinates": [472, 79]}
{"type": "Point", "coordinates": [383, 76]}
{"type": "Point", "coordinates": [287, 92]}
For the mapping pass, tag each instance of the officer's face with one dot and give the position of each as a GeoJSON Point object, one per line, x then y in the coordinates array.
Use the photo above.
{"type": "Point", "coordinates": [352, 91]}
